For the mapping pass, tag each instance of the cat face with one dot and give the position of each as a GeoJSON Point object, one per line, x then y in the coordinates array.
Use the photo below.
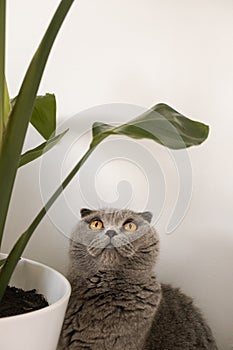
{"type": "Point", "coordinates": [107, 239]}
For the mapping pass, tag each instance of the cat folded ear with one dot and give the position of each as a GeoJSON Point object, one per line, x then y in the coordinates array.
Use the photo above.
{"type": "Point", "coordinates": [84, 212]}
{"type": "Point", "coordinates": [147, 215]}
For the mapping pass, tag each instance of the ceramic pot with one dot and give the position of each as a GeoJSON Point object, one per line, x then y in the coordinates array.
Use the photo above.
{"type": "Point", "coordinates": [36, 330]}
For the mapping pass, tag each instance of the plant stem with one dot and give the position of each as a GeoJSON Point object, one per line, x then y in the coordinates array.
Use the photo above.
{"type": "Point", "coordinates": [2, 65]}
{"type": "Point", "coordinates": [15, 254]}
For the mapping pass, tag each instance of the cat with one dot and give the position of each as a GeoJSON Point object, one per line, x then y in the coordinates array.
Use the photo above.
{"type": "Point", "coordinates": [117, 302]}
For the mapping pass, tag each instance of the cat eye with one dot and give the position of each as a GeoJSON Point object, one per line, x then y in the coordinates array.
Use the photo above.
{"type": "Point", "coordinates": [96, 225]}
{"type": "Point", "coordinates": [130, 226]}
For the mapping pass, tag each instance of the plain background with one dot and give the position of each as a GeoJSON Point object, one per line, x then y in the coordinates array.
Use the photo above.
{"type": "Point", "coordinates": [143, 52]}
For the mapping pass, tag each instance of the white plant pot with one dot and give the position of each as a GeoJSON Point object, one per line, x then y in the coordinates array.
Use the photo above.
{"type": "Point", "coordinates": [36, 330]}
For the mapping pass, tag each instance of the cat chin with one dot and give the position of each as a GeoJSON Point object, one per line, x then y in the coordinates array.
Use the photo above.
{"type": "Point", "coordinates": [109, 257]}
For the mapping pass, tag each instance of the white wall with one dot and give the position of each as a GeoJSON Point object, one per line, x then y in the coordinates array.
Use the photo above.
{"type": "Point", "coordinates": [144, 52]}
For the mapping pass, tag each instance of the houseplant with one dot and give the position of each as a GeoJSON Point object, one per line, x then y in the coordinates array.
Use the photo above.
{"type": "Point", "coordinates": [38, 329]}
{"type": "Point", "coordinates": [161, 124]}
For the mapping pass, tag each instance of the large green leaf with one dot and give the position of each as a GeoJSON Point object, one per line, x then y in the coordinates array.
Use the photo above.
{"type": "Point", "coordinates": [161, 124]}
{"type": "Point", "coordinates": [35, 153]}
{"type": "Point", "coordinates": [44, 115]}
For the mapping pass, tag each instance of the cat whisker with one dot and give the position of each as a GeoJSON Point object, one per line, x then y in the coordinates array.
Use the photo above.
{"type": "Point", "coordinates": [124, 247]}
{"type": "Point", "coordinates": [93, 251]}
{"type": "Point", "coordinates": [121, 240]}
{"type": "Point", "coordinates": [97, 245]}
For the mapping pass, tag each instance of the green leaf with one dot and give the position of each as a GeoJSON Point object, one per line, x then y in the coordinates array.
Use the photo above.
{"type": "Point", "coordinates": [162, 124]}
{"type": "Point", "coordinates": [44, 115]}
{"type": "Point", "coordinates": [34, 153]}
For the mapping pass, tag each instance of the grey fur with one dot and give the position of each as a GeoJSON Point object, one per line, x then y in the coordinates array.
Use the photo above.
{"type": "Point", "coordinates": [116, 301]}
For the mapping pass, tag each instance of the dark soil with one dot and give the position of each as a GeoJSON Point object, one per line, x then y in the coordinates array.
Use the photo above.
{"type": "Point", "coordinates": [17, 301]}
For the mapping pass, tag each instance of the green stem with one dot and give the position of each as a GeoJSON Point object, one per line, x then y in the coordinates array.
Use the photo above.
{"type": "Point", "coordinates": [15, 254]}
{"type": "Point", "coordinates": [2, 65]}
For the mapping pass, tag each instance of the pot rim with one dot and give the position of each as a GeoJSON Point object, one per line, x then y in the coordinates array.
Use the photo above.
{"type": "Point", "coordinates": [50, 307]}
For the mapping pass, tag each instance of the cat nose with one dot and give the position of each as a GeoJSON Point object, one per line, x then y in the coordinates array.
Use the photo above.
{"type": "Point", "coordinates": [111, 233]}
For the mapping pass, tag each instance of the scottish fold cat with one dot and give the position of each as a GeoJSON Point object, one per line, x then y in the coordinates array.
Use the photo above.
{"type": "Point", "coordinates": [117, 302]}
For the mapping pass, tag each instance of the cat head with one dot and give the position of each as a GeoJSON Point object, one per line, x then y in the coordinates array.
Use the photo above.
{"type": "Point", "coordinates": [114, 239]}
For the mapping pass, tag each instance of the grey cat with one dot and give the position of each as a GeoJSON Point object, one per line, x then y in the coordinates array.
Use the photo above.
{"type": "Point", "coordinates": [116, 302]}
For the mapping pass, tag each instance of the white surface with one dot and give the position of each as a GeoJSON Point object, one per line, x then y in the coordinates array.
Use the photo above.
{"type": "Point", "coordinates": [144, 52]}
{"type": "Point", "coordinates": [39, 329]}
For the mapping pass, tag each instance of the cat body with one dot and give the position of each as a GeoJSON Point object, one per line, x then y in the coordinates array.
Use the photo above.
{"type": "Point", "coordinates": [116, 301]}
{"type": "Point", "coordinates": [178, 325]}
{"type": "Point", "coordinates": [111, 313]}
